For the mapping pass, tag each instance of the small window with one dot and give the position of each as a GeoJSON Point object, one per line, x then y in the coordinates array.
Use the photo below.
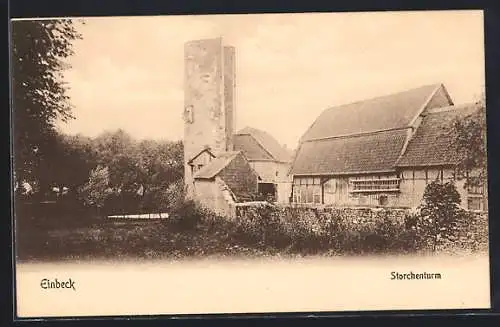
{"type": "Point", "coordinates": [200, 166]}
{"type": "Point", "coordinates": [330, 186]}
{"type": "Point", "coordinates": [276, 173]}
{"type": "Point", "coordinates": [188, 114]}
{"type": "Point", "coordinates": [307, 193]}
{"type": "Point", "coordinates": [475, 189]}
{"type": "Point", "coordinates": [205, 77]}
{"type": "Point", "coordinates": [317, 198]}
{"type": "Point", "coordinates": [474, 204]}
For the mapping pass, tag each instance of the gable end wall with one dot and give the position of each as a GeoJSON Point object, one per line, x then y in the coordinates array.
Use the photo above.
{"type": "Point", "coordinates": [240, 177]}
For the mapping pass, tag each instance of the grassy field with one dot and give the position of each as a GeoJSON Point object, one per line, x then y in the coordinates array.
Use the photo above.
{"type": "Point", "coordinates": [106, 239]}
{"type": "Point", "coordinates": [67, 237]}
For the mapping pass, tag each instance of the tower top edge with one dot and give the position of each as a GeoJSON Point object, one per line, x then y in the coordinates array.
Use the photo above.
{"type": "Point", "coordinates": [219, 40]}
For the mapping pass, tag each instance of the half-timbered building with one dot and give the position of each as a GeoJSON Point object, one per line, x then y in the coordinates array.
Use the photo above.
{"type": "Point", "coordinates": [382, 151]}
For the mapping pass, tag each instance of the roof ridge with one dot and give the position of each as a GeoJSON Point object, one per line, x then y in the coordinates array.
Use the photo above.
{"type": "Point", "coordinates": [435, 85]}
{"type": "Point", "coordinates": [415, 95]}
{"type": "Point", "coordinates": [252, 131]}
{"type": "Point", "coordinates": [359, 134]}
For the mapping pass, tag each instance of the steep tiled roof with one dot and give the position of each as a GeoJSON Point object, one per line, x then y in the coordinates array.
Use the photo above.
{"type": "Point", "coordinates": [381, 113]}
{"type": "Point", "coordinates": [432, 143]}
{"type": "Point", "coordinates": [252, 149]}
{"type": "Point", "coordinates": [270, 147]}
{"type": "Point", "coordinates": [216, 165]}
{"type": "Point", "coordinates": [357, 154]}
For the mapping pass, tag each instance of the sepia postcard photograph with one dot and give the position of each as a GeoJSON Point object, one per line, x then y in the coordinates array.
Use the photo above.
{"type": "Point", "coordinates": [249, 163]}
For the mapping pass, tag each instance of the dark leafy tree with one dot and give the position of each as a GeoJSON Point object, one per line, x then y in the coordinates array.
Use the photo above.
{"type": "Point", "coordinates": [140, 172]}
{"type": "Point", "coordinates": [75, 156]}
{"type": "Point", "coordinates": [39, 99]}
{"type": "Point", "coordinates": [96, 190]}
{"type": "Point", "coordinates": [470, 141]}
{"type": "Point", "coordinates": [440, 213]}
{"type": "Point", "coordinates": [159, 165]}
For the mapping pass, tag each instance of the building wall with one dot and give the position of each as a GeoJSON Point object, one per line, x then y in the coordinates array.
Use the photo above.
{"type": "Point", "coordinates": [414, 181]}
{"type": "Point", "coordinates": [438, 100]}
{"type": "Point", "coordinates": [202, 160]}
{"type": "Point", "coordinates": [214, 195]}
{"type": "Point", "coordinates": [336, 191]}
{"type": "Point", "coordinates": [284, 192]}
{"type": "Point", "coordinates": [240, 177]}
{"type": "Point", "coordinates": [271, 171]}
{"type": "Point", "coordinates": [208, 117]}
{"type": "Point", "coordinates": [276, 173]}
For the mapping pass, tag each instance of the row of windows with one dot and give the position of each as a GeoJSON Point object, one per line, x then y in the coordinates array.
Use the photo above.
{"type": "Point", "coordinates": [308, 190]}
{"type": "Point", "coordinates": [369, 185]}
{"type": "Point", "coordinates": [474, 189]}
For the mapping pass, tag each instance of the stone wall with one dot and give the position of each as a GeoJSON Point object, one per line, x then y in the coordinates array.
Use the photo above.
{"type": "Point", "coordinates": [229, 93]}
{"type": "Point", "coordinates": [355, 230]}
{"type": "Point", "coordinates": [208, 116]}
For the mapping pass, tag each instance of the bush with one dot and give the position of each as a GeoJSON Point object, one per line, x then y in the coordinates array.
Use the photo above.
{"type": "Point", "coordinates": [171, 198]}
{"type": "Point", "coordinates": [440, 218]}
{"type": "Point", "coordinates": [353, 231]}
{"type": "Point", "coordinates": [187, 216]}
{"type": "Point", "coordinates": [312, 230]}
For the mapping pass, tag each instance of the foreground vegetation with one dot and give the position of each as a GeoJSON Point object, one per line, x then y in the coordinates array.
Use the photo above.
{"type": "Point", "coordinates": [265, 230]}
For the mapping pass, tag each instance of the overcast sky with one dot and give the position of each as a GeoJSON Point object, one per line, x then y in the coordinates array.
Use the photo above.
{"type": "Point", "coordinates": [128, 71]}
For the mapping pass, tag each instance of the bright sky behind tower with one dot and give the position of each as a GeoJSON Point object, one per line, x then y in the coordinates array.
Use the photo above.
{"type": "Point", "coordinates": [127, 72]}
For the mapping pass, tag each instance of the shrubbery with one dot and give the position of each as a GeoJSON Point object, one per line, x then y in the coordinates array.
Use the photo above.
{"type": "Point", "coordinates": [312, 230]}
{"type": "Point", "coordinates": [267, 229]}
{"type": "Point", "coordinates": [442, 224]}
{"type": "Point", "coordinates": [438, 224]}
{"type": "Point", "coordinates": [355, 231]}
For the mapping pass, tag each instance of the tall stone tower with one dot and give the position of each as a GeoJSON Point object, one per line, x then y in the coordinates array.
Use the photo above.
{"type": "Point", "coordinates": [209, 89]}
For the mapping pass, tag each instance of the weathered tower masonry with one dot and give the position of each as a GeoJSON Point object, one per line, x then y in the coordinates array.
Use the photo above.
{"type": "Point", "coordinates": [209, 91]}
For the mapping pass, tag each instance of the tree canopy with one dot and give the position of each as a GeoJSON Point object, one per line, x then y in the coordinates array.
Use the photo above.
{"type": "Point", "coordinates": [39, 94]}
{"type": "Point", "coordinates": [470, 139]}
